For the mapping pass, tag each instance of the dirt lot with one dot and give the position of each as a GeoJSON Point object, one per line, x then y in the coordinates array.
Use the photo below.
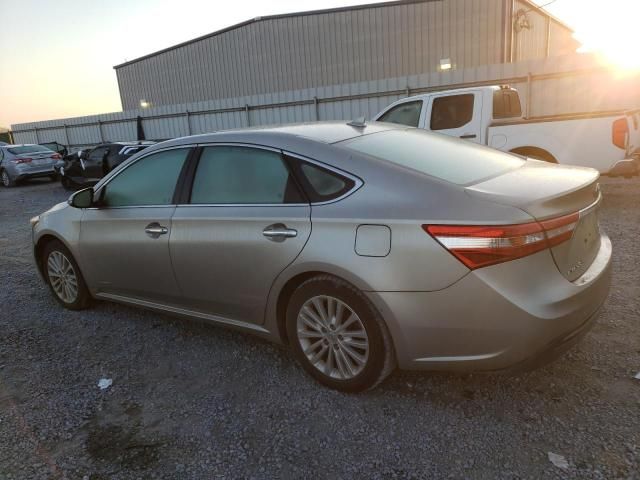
{"type": "Point", "coordinates": [196, 401]}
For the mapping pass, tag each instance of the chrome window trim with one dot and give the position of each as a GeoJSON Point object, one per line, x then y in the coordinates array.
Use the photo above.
{"type": "Point", "coordinates": [240, 144]}
{"type": "Point", "coordinates": [358, 182]}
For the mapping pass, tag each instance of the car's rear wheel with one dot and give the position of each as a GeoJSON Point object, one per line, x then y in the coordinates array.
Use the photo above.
{"type": "Point", "coordinates": [338, 336]}
{"type": "Point", "coordinates": [7, 181]}
{"type": "Point", "coordinates": [64, 278]}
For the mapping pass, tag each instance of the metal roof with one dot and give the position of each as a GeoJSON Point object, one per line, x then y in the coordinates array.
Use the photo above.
{"type": "Point", "coordinates": [307, 13]}
{"type": "Point", "coordinates": [272, 17]}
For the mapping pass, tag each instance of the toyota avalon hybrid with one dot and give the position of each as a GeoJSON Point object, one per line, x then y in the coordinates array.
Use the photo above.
{"type": "Point", "coordinates": [361, 246]}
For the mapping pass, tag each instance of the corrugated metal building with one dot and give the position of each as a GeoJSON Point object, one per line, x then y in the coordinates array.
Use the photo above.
{"type": "Point", "coordinates": [338, 46]}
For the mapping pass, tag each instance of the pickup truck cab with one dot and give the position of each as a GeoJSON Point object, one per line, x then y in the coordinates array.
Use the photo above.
{"type": "Point", "coordinates": [492, 116]}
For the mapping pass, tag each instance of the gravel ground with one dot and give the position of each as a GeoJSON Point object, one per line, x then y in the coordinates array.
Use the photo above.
{"type": "Point", "coordinates": [190, 400]}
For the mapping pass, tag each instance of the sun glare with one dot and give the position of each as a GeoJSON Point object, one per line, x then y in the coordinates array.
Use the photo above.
{"type": "Point", "coordinates": [610, 29]}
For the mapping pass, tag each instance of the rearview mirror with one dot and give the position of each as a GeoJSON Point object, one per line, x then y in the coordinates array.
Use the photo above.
{"type": "Point", "coordinates": [82, 198]}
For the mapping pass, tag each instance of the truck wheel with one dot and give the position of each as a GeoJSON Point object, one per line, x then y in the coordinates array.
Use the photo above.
{"type": "Point", "coordinates": [535, 153]}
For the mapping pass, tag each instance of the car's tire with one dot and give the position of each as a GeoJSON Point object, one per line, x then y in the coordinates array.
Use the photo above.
{"type": "Point", "coordinates": [326, 318]}
{"type": "Point", "coordinates": [63, 276]}
{"type": "Point", "coordinates": [7, 181]}
{"type": "Point", "coordinates": [54, 177]}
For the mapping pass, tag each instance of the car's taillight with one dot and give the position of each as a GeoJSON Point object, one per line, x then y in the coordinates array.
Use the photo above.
{"type": "Point", "coordinates": [479, 246]}
{"type": "Point", "coordinates": [18, 161]}
{"type": "Point", "coordinates": [56, 156]}
{"type": "Point", "coordinates": [620, 133]}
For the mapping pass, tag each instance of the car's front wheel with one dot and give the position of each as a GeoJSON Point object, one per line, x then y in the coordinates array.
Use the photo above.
{"type": "Point", "coordinates": [63, 276]}
{"type": "Point", "coordinates": [338, 336]}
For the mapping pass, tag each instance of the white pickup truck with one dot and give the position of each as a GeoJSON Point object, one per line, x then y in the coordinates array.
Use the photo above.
{"type": "Point", "coordinates": [492, 116]}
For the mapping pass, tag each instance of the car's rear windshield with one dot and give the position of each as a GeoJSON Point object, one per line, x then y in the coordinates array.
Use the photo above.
{"type": "Point", "coordinates": [450, 159]}
{"type": "Point", "coordinates": [28, 149]}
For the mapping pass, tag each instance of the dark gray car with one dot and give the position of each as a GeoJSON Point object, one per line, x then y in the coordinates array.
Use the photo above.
{"type": "Point", "coordinates": [20, 162]}
{"type": "Point", "coordinates": [362, 247]}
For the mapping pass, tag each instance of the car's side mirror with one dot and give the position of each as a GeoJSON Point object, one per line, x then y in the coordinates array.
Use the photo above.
{"type": "Point", "coordinates": [82, 198]}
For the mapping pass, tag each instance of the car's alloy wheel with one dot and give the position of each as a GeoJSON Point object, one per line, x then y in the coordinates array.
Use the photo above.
{"type": "Point", "coordinates": [337, 334]}
{"type": "Point", "coordinates": [332, 337]}
{"type": "Point", "coordinates": [6, 179]}
{"type": "Point", "coordinates": [62, 277]}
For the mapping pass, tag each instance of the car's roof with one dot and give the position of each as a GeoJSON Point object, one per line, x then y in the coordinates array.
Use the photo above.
{"type": "Point", "coordinates": [322, 132]}
{"type": "Point", "coordinates": [327, 132]}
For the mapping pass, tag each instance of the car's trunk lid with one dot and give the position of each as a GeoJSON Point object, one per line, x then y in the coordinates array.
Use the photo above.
{"type": "Point", "coordinates": [38, 159]}
{"type": "Point", "coordinates": [549, 191]}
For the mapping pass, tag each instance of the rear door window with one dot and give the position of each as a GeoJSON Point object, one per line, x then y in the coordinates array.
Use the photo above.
{"type": "Point", "coordinates": [404, 114]}
{"type": "Point", "coordinates": [452, 111]}
{"type": "Point", "coordinates": [229, 175]}
{"type": "Point", "coordinates": [319, 183]}
{"type": "Point", "coordinates": [506, 104]}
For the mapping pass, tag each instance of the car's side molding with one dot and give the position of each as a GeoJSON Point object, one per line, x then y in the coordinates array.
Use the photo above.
{"type": "Point", "coordinates": [183, 312]}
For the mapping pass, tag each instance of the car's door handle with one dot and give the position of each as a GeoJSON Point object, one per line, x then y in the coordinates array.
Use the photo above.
{"type": "Point", "coordinates": [279, 232]}
{"type": "Point", "coordinates": [469, 135]}
{"type": "Point", "coordinates": [154, 230]}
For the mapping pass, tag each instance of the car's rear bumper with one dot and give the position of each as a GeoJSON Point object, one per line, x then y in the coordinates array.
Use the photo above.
{"type": "Point", "coordinates": [498, 317]}
{"type": "Point", "coordinates": [41, 172]}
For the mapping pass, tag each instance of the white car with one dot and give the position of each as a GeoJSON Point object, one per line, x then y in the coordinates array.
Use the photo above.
{"type": "Point", "coordinates": [493, 116]}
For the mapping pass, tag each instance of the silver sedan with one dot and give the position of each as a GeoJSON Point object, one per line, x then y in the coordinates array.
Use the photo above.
{"type": "Point", "coordinates": [20, 162]}
{"type": "Point", "coordinates": [363, 247]}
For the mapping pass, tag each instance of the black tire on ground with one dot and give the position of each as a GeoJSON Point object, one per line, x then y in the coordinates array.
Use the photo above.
{"type": "Point", "coordinates": [7, 181]}
{"type": "Point", "coordinates": [83, 297]}
{"type": "Point", "coordinates": [381, 359]}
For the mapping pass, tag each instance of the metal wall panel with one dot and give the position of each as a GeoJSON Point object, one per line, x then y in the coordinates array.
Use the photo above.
{"type": "Point", "coordinates": [311, 50]}
{"type": "Point", "coordinates": [559, 85]}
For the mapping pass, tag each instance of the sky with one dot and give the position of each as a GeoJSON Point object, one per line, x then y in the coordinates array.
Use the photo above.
{"type": "Point", "coordinates": [57, 56]}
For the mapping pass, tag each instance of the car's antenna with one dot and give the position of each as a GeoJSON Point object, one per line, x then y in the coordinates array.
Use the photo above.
{"type": "Point", "coordinates": [359, 122]}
